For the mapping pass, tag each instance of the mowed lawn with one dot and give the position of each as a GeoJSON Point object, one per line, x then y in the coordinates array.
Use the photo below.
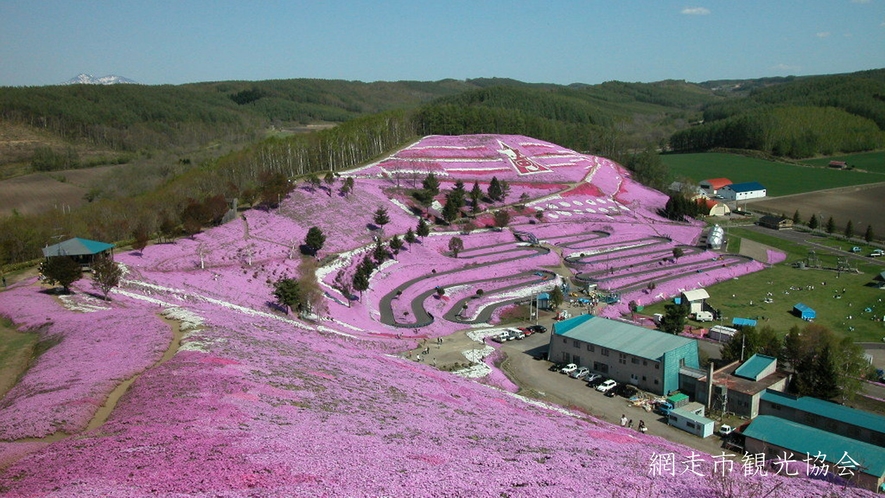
{"type": "Point", "coordinates": [778, 178]}
{"type": "Point", "coordinates": [744, 297]}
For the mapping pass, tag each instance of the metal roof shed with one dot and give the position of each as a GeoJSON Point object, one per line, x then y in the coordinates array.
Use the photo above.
{"type": "Point", "coordinates": [804, 312]}
{"type": "Point", "coordinates": [742, 322]}
{"type": "Point", "coordinates": [76, 247]}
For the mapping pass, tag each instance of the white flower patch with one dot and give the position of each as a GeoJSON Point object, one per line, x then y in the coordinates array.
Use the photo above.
{"type": "Point", "coordinates": [189, 320]}
{"type": "Point", "coordinates": [590, 210]}
{"type": "Point", "coordinates": [400, 205]}
{"type": "Point", "coordinates": [204, 345]}
{"type": "Point", "coordinates": [480, 335]}
{"type": "Point", "coordinates": [477, 355]}
{"type": "Point", "coordinates": [564, 204]}
{"type": "Point", "coordinates": [551, 215]}
{"type": "Point", "coordinates": [474, 372]}
{"type": "Point", "coordinates": [563, 213]}
{"type": "Point", "coordinates": [82, 303]}
{"type": "Point", "coordinates": [577, 203]}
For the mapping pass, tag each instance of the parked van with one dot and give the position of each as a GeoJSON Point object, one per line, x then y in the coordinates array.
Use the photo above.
{"type": "Point", "coordinates": [704, 316]}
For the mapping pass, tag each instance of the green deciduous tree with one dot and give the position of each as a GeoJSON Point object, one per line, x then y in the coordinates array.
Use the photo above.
{"type": "Point", "coordinates": [501, 218]}
{"type": "Point", "coordinates": [674, 318]}
{"type": "Point", "coordinates": [456, 245]}
{"type": "Point", "coordinates": [556, 297]}
{"type": "Point", "coordinates": [106, 274]}
{"type": "Point", "coordinates": [61, 270]}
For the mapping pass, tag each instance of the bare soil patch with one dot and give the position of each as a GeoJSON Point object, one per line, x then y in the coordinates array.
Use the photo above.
{"type": "Point", "coordinates": [40, 192]}
{"type": "Point", "coordinates": [861, 204]}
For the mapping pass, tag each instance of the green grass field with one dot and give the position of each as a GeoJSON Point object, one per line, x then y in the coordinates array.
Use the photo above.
{"type": "Point", "coordinates": [778, 178]}
{"type": "Point", "coordinates": [833, 307]}
{"type": "Point", "coordinates": [873, 162]}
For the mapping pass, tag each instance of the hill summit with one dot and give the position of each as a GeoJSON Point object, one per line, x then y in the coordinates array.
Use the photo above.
{"type": "Point", "coordinates": [88, 79]}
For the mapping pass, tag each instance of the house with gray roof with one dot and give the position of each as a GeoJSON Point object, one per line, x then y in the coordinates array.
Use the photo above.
{"type": "Point", "coordinates": [738, 387]}
{"type": "Point", "coordinates": [646, 358]}
{"type": "Point", "coordinates": [80, 250]}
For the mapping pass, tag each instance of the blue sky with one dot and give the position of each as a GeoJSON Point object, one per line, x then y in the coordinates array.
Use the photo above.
{"type": "Point", "coordinates": [560, 41]}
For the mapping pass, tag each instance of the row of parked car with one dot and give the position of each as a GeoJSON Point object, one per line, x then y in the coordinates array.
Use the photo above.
{"type": "Point", "coordinates": [515, 334]}
{"type": "Point", "coordinates": [597, 381]}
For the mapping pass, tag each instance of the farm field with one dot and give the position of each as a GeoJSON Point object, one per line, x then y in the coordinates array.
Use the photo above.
{"type": "Point", "coordinates": [860, 204]}
{"type": "Point", "coordinates": [779, 179]}
{"type": "Point", "coordinates": [873, 162]}
{"type": "Point", "coordinates": [255, 401]}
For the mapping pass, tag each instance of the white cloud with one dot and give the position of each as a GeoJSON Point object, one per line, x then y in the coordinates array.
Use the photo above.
{"type": "Point", "coordinates": [787, 68]}
{"type": "Point", "coordinates": [695, 11]}
{"type": "Point", "coordinates": [823, 34]}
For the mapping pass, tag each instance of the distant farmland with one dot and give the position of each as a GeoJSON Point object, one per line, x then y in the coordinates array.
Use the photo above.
{"type": "Point", "coordinates": [778, 178]}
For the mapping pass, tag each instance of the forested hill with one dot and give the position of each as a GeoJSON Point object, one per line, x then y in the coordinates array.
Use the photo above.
{"type": "Point", "coordinates": [798, 118]}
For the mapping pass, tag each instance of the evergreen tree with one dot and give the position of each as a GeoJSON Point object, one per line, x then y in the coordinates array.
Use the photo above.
{"type": "Point", "coordinates": [380, 253]}
{"type": "Point", "coordinates": [849, 229]}
{"type": "Point", "coordinates": [868, 235]}
{"type": "Point", "coordinates": [459, 194]}
{"type": "Point", "coordinates": [495, 191]}
{"type": "Point", "coordinates": [475, 197]}
{"type": "Point", "coordinates": [381, 217]}
{"type": "Point", "coordinates": [288, 294]}
{"type": "Point", "coordinates": [106, 275]}
{"type": "Point", "coordinates": [813, 222]}
{"type": "Point", "coordinates": [831, 226]}
{"type": "Point", "coordinates": [674, 318]}
{"type": "Point", "coordinates": [410, 236]}
{"type": "Point", "coordinates": [314, 240]}
{"type": "Point", "coordinates": [505, 190]}
{"type": "Point", "coordinates": [61, 270]}
{"type": "Point", "coordinates": [423, 229]}
{"type": "Point", "coordinates": [450, 209]}
{"type": "Point", "coordinates": [396, 244]}
{"type": "Point", "coordinates": [456, 245]}
{"type": "Point", "coordinates": [362, 275]}
{"type": "Point", "coordinates": [797, 220]}
{"type": "Point", "coordinates": [431, 184]}
{"type": "Point", "coordinates": [343, 285]}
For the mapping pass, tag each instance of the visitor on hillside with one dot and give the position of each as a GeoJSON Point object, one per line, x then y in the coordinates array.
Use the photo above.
{"type": "Point", "coordinates": [623, 421]}
{"type": "Point", "coordinates": [642, 428]}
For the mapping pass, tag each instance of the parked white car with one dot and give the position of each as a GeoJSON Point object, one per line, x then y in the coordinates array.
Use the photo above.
{"type": "Point", "coordinates": [580, 373]}
{"type": "Point", "coordinates": [725, 430]}
{"type": "Point", "coordinates": [571, 367]}
{"type": "Point", "coordinates": [606, 386]}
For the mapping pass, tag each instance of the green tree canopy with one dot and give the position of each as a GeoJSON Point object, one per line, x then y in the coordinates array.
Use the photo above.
{"type": "Point", "coordinates": [456, 245]}
{"type": "Point", "coordinates": [288, 293]}
{"type": "Point", "coordinates": [61, 270]}
{"type": "Point", "coordinates": [314, 240]}
{"type": "Point", "coordinates": [380, 217]}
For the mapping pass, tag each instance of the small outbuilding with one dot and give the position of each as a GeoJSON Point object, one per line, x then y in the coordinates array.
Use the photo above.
{"type": "Point", "coordinates": [82, 251]}
{"type": "Point", "coordinates": [804, 312]}
{"type": "Point", "coordinates": [711, 207]}
{"type": "Point", "coordinates": [721, 333]}
{"type": "Point", "coordinates": [838, 164]}
{"type": "Point", "coordinates": [696, 299]}
{"type": "Point", "coordinates": [776, 222]}
{"type": "Point", "coordinates": [691, 419]}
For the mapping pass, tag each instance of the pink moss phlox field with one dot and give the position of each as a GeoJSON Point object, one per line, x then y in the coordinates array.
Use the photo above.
{"type": "Point", "coordinates": [95, 351]}
{"type": "Point", "coordinates": [260, 403]}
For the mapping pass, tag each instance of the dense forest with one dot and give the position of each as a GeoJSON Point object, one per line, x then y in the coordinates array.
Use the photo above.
{"type": "Point", "coordinates": [803, 118]}
{"type": "Point", "coordinates": [628, 122]}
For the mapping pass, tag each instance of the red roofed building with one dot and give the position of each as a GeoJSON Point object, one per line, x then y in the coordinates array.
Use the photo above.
{"type": "Point", "coordinates": [713, 185]}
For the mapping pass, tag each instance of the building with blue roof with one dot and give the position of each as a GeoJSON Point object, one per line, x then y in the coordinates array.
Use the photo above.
{"type": "Point", "coordinates": [742, 191]}
{"type": "Point", "coordinates": [737, 322]}
{"type": "Point", "coordinates": [826, 416]}
{"type": "Point", "coordinates": [781, 439]}
{"type": "Point", "coordinates": [80, 250]}
{"type": "Point", "coordinates": [645, 358]}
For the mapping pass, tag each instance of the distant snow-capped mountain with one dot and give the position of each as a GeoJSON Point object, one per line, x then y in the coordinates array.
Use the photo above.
{"type": "Point", "coordinates": [88, 79]}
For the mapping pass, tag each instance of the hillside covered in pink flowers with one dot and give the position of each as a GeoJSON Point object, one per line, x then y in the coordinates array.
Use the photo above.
{"type": "Point", "coordinates": [257, 402]}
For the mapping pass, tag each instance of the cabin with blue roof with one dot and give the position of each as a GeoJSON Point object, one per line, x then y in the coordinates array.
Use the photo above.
{"type": "Point", "coordinates": [825, 415]}
{"type": "Point", "coordinates": [83, 251]}
{"type": "Point", "coordinates": [645, 358]}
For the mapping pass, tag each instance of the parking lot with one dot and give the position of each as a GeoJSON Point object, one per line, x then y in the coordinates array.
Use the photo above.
{"type": "Point", "coordinates": [536, 381]}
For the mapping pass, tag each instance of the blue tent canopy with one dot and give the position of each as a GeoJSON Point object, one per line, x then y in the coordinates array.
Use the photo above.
{"type": "Point", "coordinates": [804, 312]}
{"type": "Point", "coordinates": [742, 322]}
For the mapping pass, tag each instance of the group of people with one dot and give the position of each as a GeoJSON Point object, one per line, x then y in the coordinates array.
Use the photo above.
{"type": "Point", "coordinates": [628, 423]}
